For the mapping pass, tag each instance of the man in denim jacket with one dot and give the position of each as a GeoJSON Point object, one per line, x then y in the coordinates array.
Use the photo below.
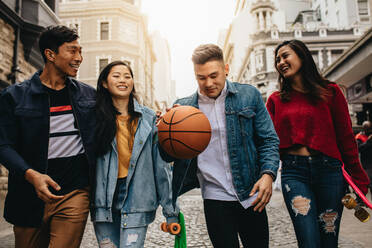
{"type": "Point", "coordinates": [237, 169]}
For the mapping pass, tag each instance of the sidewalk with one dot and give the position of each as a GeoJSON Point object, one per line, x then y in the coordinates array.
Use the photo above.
{"type": "Point", "coordinates": [354, 234]}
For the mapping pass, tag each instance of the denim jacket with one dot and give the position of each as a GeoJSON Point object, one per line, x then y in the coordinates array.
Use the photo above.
{"type": "Point", "coordinates": [252, 142]}
{"type": "Point", "coordinates": [148, 180]}
{"type": "Point", "coordinates": [24, 139]}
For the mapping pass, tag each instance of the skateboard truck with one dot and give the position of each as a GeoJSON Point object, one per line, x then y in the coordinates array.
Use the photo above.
{"type": "Point", "coordinates": [173, 228]}
{"type": "Point", "coordinates": [351, 203]}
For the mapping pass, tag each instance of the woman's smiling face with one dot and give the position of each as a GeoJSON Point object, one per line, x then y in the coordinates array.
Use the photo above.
{"type": "Point", "coordinates": [287, 62]}
{"type": "Point", "coordinates": [119, 82]}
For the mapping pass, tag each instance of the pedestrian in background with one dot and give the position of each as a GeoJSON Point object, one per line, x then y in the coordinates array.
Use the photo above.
{"type": "Point", "coordinates": [46, 143]}
{"type": "Point", "coordinates": [364, 141]}
{"type": "Point", "coordinates": [312, 120]}
{"type": "Point", "coordinates": [131, 177]}
{"type": "Point", "coordinates": [237, 169]}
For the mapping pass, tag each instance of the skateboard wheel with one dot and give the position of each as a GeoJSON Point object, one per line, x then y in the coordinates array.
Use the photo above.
{"type": "Point", "coordinates": [349, 202]}
{"type": "Point", "coordinates": [174, 228]}
{"type": "Point", "coordinates": [164, 227]}
{"type": "Point", "coordinates": [361, 214]}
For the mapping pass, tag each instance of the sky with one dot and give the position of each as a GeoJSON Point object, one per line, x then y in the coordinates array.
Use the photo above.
{"type": "Point", "coordinates": [187, 24]}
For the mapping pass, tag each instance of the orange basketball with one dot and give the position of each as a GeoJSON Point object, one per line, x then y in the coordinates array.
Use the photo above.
{"type": "Point", "coordinates": [184, 132]}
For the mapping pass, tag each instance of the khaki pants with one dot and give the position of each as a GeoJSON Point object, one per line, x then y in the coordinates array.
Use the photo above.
{"type": "Point", "coordinates": [63, 224]}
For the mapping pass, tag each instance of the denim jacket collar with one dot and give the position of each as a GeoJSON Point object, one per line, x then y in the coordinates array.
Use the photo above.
{"type": "Point", "coordinates": [140, 135]}
{"type": "Point", "coordinates": [137, 107]}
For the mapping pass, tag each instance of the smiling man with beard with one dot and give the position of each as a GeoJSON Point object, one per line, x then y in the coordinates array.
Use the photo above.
{"type": "Point", "coordinates": [46, 143]}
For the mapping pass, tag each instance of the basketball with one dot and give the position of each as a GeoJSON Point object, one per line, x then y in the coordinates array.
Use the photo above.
{"type": "Point", "coordinates": [184, 132]}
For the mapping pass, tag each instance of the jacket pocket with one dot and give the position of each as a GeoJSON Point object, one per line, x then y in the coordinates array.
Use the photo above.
{"type": "Point", "coordinates": [246, 121]}
{"type": "Point", "coordinates": [87, 104]}
{"type": "Point", "coordinates": [246, 117]}
{"type": "Point", "coordinates": [86, 114]}
{"type": "Point", "coordinates": [332, 163]}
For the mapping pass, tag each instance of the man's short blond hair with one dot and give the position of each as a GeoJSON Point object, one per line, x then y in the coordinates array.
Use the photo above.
{"type": "Point", "coordinates": [207, 52]}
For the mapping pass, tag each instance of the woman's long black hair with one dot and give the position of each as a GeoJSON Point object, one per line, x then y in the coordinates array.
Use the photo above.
{"type": "Point", "coordinates": [106, 112]}
{"type": "Point", "coordinates": [315, 86]}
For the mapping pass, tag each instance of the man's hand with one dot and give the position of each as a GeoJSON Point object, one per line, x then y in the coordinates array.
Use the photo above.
{"type": "Point", "coordinates": [159, 114]}
{"type": "Point", "coordinates": [264, 187]}
{"type": "Point", "coordinates": [41, 182]}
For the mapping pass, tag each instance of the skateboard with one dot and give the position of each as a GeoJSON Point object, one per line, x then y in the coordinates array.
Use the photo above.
{"type": "Point", "coordinates": [176, 229]}
{"type": "Point", "coordinates": [351, 203]}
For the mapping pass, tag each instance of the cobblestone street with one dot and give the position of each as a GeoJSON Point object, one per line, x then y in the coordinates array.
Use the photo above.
{"type": "Point", "coordinates": [281, 231]}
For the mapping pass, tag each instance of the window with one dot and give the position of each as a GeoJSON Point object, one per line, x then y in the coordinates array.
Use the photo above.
{"type": "Point", "coordinates": [363, 10]}
{"type": "Point", "coordinates": [102, 64]}
{"type": "Point", "coordinates": [318, 13]}
{"type": "Point", "coordinates": [259, 61]}
{"type": "Point", "coordinates": [101, 61]}
{"type": "Point", "coordinates": [51, 4]}
{"type": "Point", "coordinates": [104, 30]}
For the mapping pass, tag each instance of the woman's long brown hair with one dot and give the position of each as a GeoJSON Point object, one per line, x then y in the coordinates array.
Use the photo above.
{"type": "Point", "coordinates": [106, 112]}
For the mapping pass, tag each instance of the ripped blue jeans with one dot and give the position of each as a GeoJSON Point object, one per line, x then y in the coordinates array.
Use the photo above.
{"type": "Point", "coordinates": [114, 234]}
{"type": "Point", "coordinates": [313, 187]}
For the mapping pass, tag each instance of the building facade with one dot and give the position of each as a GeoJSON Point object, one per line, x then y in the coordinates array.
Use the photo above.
{"type": "Point", "coordinates": [353, 70]}
{"type": "Point", "coordinates": [109, 32]}
{"type": "Point", "coordinates": [269, 22]}
{"type": "Point", "coordinates": [21, 22]}
{"type": "Point", "coordinates": [164, 87]}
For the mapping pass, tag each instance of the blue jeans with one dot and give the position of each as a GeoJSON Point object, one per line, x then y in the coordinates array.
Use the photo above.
{"type": "Point", "coordinates": [113, 234]}
{"type": "Point", "coordinates": [313, 187]}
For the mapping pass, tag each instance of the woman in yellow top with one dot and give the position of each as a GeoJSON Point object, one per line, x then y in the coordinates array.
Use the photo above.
{"type": "Point", "coordinates": [131, 178]}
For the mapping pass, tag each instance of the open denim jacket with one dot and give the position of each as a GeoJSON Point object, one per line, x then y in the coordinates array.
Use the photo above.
{"type": "Point", "coordinates": [148, 180]}
{"type": "Point", "coordinates": [252, 142]}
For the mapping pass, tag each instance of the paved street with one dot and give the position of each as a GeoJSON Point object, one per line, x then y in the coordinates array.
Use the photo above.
{"type": "Point", "coordinates": [353, 233]}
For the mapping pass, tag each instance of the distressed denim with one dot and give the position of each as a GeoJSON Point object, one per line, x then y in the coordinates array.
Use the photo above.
{"type": "Point", "coordinates": [313, 187]}
{"type": "Point", "coordinates": [114, 234]}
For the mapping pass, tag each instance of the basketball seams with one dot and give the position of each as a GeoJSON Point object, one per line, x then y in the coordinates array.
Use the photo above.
{"type": "Point", "coordinates": [178, 138]}
{"type": "Point", "coordinates": [177, 122]}
{"type": "Point", "coordinates": [170, 132]}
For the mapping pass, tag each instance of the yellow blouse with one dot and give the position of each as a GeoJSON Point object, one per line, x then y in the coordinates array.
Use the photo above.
{"type": "Point", "coordinates": [124, 144]}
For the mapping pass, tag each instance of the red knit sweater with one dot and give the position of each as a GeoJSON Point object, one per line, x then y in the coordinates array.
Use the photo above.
{"type": "Point", "coordinates": [324, 126]}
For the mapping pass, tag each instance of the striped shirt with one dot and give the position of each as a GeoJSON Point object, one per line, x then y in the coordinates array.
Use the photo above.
{"type": "Point", "coordinates": [67, 163]}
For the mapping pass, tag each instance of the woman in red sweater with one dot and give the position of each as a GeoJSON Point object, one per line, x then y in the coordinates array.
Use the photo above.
{"type": "Point", "coordinates": [311, 117]}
